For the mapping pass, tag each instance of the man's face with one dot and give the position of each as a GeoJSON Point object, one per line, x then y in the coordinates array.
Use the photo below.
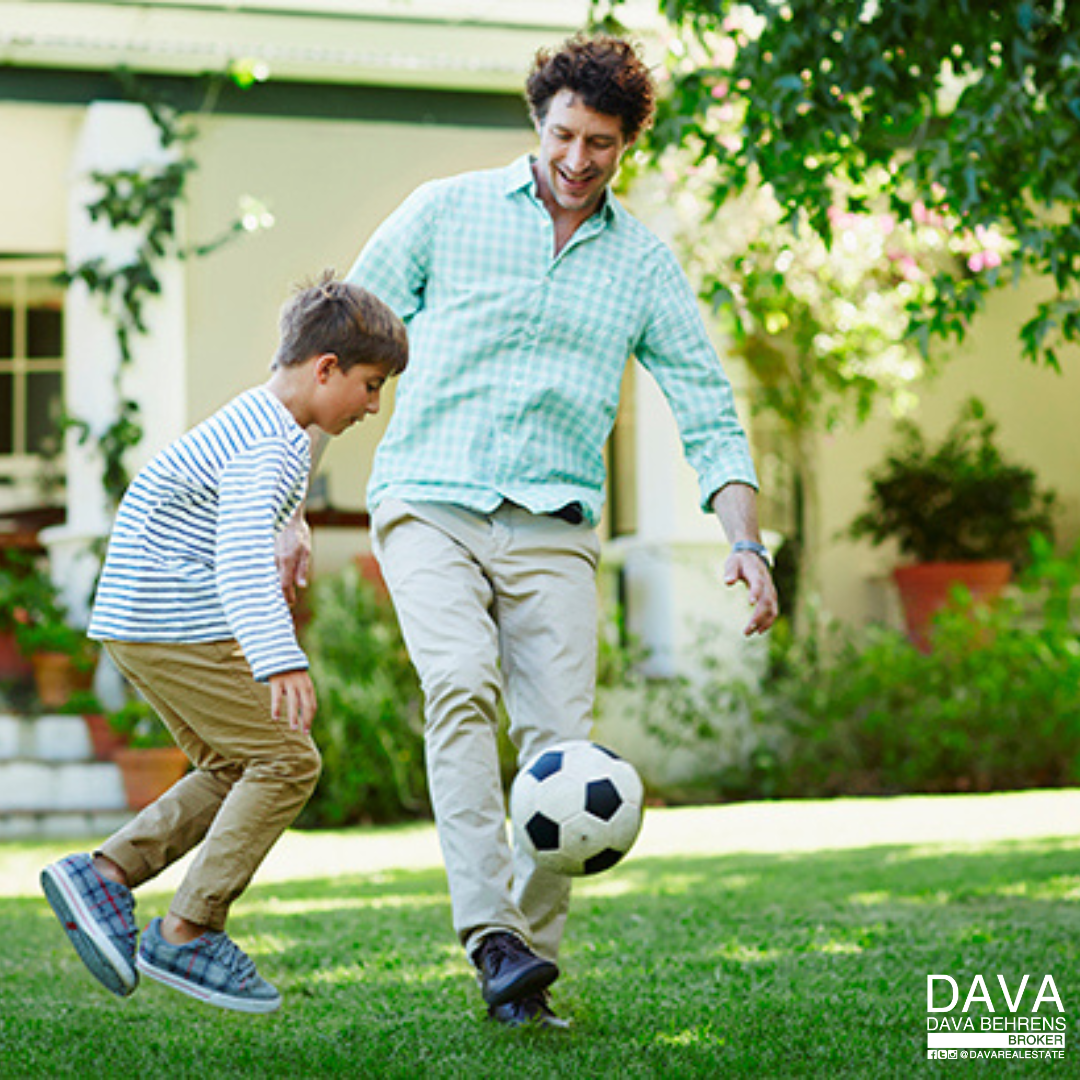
{"type": "Point", "coordinates": [580, 150]}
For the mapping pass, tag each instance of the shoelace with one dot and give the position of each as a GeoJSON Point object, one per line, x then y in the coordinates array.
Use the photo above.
{"type": "Point", "coordinates": [122, 901]}
{"type": "Point", "coordinates": [227, 953]}
{"type": "Point", "coordinates": [500, 947]}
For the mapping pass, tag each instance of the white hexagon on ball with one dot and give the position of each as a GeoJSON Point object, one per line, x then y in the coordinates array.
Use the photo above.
{"type": "Point", "coordinates": [576, 808]}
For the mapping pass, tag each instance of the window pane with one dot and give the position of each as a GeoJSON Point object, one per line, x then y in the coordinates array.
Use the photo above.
{"type": "Point", "coordinates": [7, 434]}
{"type": "Point", "coordinates": [44, 392]}
{"type": "Point", "coordinates": [44, 318]}
{"type": "Point", "coordinates": [44, 333]}
{"type": "Point", "coordinates": [7, 333]}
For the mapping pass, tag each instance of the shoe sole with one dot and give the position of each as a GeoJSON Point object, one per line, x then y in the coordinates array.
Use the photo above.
{"type": "Point", "coordinates": [201, 993]}
{"type": "Point", "coordinates": [101, 957]}
{"type": "Point", "coordinates": [548, 1022]}
{"type": "Point", "coordinates": [532, 981]}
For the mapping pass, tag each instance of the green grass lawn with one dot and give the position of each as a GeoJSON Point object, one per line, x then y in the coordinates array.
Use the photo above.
{"type": "Point", "coordinates": [733, 955]}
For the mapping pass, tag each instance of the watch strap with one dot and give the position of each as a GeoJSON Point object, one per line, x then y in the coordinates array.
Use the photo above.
{"type": "Point", "coordinates": [760, 550]}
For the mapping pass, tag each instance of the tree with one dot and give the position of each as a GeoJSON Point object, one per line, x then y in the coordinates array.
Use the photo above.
{"type": "Point", "coordinates": [847, 173]}
{"type": "Point", "coordinates": [971, 108]}
{"type": "Point", "coordinates": [821, 327]}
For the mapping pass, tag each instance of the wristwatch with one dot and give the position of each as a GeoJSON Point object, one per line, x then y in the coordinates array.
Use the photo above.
{"type": "Point", "coordinates": [760, 550]}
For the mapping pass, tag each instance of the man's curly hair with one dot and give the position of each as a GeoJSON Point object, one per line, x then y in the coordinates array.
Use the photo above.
{"type": "Point", "coordinates": [607, 73]}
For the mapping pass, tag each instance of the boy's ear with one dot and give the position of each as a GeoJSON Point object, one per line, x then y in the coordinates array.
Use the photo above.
{"type": "Point", "coordinates": [325, 365]}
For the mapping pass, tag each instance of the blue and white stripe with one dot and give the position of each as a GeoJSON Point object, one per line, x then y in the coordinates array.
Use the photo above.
{"type": "Point", "coordinates": [191, 557]}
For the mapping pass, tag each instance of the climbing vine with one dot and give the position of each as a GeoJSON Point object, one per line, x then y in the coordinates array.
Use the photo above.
{"type": "Point", "coordinates": [147, 201]}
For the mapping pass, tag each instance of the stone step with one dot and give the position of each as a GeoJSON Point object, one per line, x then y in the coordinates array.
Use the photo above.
{"type": "Point", "coordinates": [50, 784]}
{"type": "Point", "coordinates": [44, 738]}
{"type": "Point", "coordinates": [60, 824]}
{"type": "Point", "coordinates": [67, 786]}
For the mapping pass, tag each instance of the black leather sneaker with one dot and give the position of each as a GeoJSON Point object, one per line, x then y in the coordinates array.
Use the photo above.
{"type": "Point", "coordinates": [533, 1010]}
{"type": "Point", "coordinates": [510, 970]}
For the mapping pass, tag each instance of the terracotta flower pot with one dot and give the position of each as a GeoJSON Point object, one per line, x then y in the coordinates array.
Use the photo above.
{"type": "Point", "coordinates": [148, 773]}
{"type": "Point", "coordinates": [103, 739]}
{"type": "Point", "coordinates": [56, 678]}
{"type": "Point", "coordinates": [13, 665]}
{"type": "Point", "coordinates": [925, 589]}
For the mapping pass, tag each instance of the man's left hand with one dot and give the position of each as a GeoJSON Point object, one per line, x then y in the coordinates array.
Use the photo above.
{"type": "Point", "coordinates": [751, 568]}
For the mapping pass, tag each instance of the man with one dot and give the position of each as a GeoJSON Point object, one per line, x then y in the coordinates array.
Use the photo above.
{"type": "Point", "coordinates": [526, 290]}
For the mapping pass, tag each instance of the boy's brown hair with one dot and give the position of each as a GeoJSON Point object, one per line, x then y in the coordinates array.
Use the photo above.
{"type": "Point", "coordinates": [336, 317]}
{"type": "Point", "coordinates": [607, 73]}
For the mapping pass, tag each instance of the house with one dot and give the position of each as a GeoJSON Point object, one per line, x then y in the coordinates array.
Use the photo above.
{"type": "Point", "coordinates": [351, 104]}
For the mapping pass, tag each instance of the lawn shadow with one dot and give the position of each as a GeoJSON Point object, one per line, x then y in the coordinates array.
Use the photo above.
{"type": "Point", "coordinates": [810, 964]}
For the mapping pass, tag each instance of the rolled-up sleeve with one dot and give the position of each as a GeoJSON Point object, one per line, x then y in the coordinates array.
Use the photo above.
{"type": "Point", "coordinates": [675, 348]}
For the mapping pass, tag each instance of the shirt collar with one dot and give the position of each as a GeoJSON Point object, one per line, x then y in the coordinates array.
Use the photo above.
{"type": "Point", "coordinates": [519, 177]}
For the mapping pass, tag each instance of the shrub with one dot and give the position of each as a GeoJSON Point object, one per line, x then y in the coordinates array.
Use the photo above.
{"type": "Point", "coordinates": [369, 725]}
{"type": "Point", "coordinates": [863, 712]}
{"type": "Point", "coordinates": [992, 707]}
{"type": "Point", "coordinates": [139, 725]}
{"type": "Point", "coordinates": [958, 501]}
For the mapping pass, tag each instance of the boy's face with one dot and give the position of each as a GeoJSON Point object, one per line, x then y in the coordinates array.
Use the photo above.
{"type": "Point", "coordinates": [580, 150]}
{"type": "Point", "coordinates": [344, 398]}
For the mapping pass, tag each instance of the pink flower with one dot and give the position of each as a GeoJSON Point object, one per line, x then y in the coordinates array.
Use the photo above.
{"type": "Point", "coordinates": [909, 268]}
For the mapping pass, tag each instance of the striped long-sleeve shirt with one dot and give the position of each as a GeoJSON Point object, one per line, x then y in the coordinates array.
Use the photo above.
{"type": "Point", "coordinates": [191, 556]}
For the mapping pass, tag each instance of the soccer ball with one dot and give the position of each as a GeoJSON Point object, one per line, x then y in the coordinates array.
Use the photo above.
{"type": "Point", "coordinates": [576, 808]}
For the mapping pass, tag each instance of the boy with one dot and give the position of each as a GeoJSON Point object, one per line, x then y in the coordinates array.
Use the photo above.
{"type": "Point", "coordinates": [191, 609]}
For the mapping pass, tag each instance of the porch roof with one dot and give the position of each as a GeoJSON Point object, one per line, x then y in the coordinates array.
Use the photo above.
{"type": "Point", "coordinates": [470, 45]}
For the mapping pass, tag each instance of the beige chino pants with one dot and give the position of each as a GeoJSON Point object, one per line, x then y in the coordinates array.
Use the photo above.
{"type": "Point", "coordinates": [488, 603]}
{"type": "Point", "coordinates": [252, 775]}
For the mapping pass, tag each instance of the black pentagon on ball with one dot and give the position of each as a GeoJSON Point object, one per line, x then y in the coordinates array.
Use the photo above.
{"type": "Point", "coordinates": [602, 799]}
{"type": "Point", "coordinates": [543, 832]}
{"type": "Point", "coordinates": [605, 860]}
{"type": "Point", "coordinates": [610, 753]}
{"type": "Point", "coordinates": [546, 764]}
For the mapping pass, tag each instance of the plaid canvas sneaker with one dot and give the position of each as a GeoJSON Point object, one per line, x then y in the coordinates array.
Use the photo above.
{"type": "Point", "coordinates": [99, 918]}
{"type": "Point", "coordinates": [212, 968]}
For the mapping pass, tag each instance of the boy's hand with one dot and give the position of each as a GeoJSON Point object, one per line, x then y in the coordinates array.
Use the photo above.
{"type": "Point", "coordinates": [293, 692]}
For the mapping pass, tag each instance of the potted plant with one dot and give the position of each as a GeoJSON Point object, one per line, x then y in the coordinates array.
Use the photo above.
{"type": "Point", "coordinates": [61, 656]}
{"type": "Point", "coordinates": [104, 740]}
{"type": "Point", "coordinates": [150, 762]}
{"type": "Point", "coordinates": [17, 585]}
{"type": "Point", "coordinates": [962, 513]}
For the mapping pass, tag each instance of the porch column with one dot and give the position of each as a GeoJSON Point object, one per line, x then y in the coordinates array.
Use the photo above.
{"type": "Point", "coordinates": [676, 598]}
{"type": "Point", "coordinates": [114, 136]}
{"type": "Point", "coordinates": [677, 606]}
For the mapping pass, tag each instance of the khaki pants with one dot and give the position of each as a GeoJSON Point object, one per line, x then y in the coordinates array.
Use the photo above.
{"type": "Point", "coordinates": [252, 775]}
{"type": "Point", "coordinates": [489, 602]}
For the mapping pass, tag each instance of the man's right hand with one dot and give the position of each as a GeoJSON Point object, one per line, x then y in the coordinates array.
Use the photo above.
{"type": "Point", "coordinates": [292, 554]}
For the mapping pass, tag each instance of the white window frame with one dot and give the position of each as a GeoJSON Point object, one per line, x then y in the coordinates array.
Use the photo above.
{"type": "Point", "coordinates": [19, 469]}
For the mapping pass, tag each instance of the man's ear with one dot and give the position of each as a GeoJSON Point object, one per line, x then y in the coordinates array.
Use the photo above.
{"type": "Point", "coordinates": [325, 365]}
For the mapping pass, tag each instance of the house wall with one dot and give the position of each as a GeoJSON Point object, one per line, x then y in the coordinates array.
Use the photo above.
{"type": "Point", "coordinates": [1036, 409]}
{"type": "Point", "coordinates": [329, 184]}
{"type": "Point", "coordinates": [35, 156]}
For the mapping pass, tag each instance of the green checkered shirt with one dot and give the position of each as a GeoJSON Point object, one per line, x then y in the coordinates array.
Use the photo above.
{"type": "Point", "coordinates": [517, 355]}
